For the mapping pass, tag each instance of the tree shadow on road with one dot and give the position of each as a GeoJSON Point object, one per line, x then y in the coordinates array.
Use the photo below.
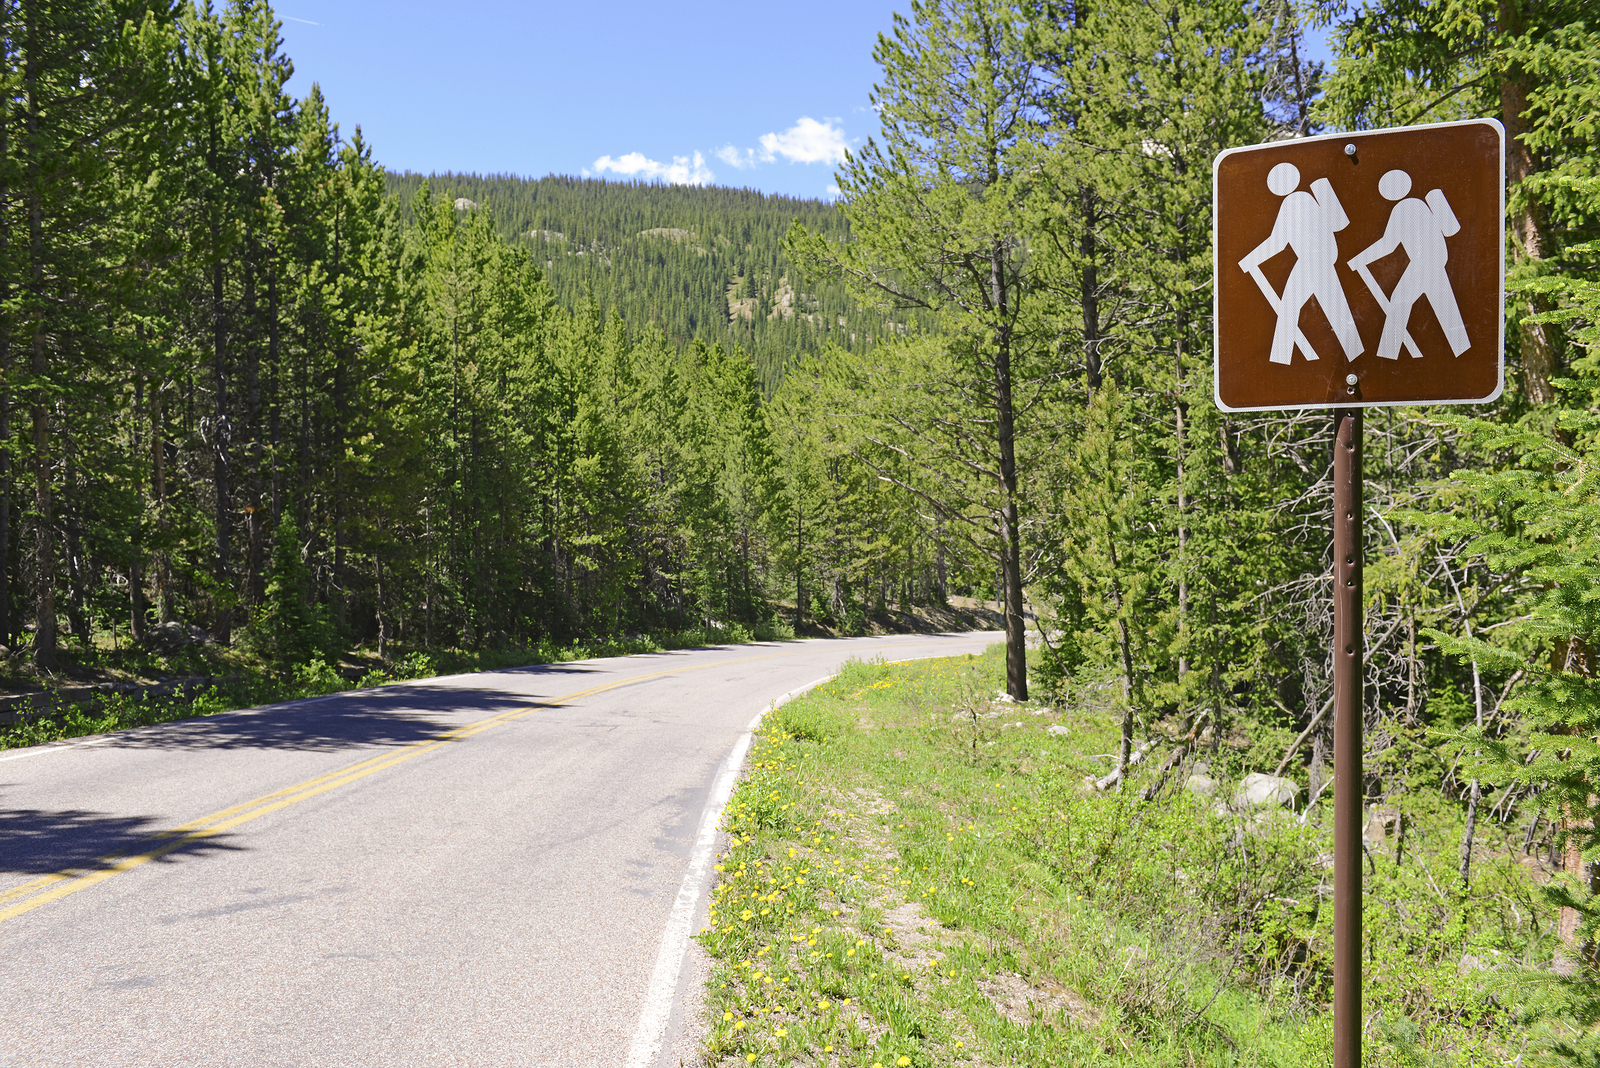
{"type": "Point", "coordinates": [41, 842]}
{"type": "Point", "coordinates": [393, 716]}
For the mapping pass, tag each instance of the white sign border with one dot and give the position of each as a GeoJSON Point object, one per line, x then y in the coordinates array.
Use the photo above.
{"type": "Point", "coordinates": [1216, 272]}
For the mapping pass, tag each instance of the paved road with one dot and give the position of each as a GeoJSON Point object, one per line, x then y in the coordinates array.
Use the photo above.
{"type": "Point", "coordinates": [473, 870]}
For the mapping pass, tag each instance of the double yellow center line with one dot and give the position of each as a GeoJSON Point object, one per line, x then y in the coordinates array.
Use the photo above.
{"type": "Point", "coordinates": [53, 887]}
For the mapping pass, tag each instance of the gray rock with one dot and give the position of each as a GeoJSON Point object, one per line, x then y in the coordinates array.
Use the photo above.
{"type": "Point", "coordinates": [1383, 822]}
{"type": "Point", "coordinates": [1258, 789]}
{"type": "Point", "coordinates": [1201, 785]}
{"type": "Point", "coordinates": [1057, 729]}
{"type": "Point", "coordinates": [463, 204]}
{"type": "Point", "coordinates": [168, 638]}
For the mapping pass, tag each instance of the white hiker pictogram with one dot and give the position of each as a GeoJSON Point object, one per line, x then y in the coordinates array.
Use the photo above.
{"type": "Point", "coordinates": [1420, 228]}
{"type": "Point", "coordinates": [1307, 223]}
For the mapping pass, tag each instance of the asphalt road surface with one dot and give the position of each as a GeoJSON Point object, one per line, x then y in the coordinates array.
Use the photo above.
{"type": "Point", "coordinates": [489, 869]}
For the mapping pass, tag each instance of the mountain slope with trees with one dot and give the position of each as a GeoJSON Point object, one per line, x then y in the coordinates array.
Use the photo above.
{"type": "Point", "coordinates": [699, 263]}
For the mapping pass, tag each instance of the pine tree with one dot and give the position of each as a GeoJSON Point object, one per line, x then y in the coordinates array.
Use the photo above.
{"type": "Point", "coordinates": [290, 628]}
{"type": "Point", "coordinates": [936, 216]}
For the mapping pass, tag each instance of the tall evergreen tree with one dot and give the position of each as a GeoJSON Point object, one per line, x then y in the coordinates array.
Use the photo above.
{"type": "Point", "coordinates": [936, 215]}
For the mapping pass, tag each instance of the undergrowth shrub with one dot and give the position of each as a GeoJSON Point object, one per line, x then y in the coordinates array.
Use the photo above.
{"type": "Point", "coordinates": [317, 677]}
{"type": "Point", "coordinates": [809, 721]}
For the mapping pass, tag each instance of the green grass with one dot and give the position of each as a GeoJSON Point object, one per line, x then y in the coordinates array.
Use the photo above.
{"type": "Point", "coordinates": [919, 876]}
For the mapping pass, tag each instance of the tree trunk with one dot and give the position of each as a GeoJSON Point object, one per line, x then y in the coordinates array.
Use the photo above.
{"type": "Point", "coordinates": [136, 601]}
{"type": "Point", "coordinates": [222, 472]}
{"type": "Point", "coordinates": [77, 600]}
{"type": "Point", "coordinates": [340, 355]}
{"type": "Point", "coordinates": [1089, 295]}
{"type": "Point", "coordinates": [44, 556]}
{"type": "Point", "coordinates": [1476, 795]}
{"type": "Point", "coordinates": [166, 611]}
{"type": "Point", "coordinates": [5, 385]}
{"type": "Point", "coordinates": [275, 395]}
{"type": "Point", "coordinates": [1180, 411]}
{"type": "Point", "coordinates": [5, 472]}
{"type": "Point", "coordinates": [1527, 232]}
{"type": "Point", "coordinates": [1576, 826]}
{"type": "Point", "coordinates": [1010, 534]}
{"type": "Point", "coordinates": [383, 627]}
{"type": "Point", "coordinates": [799, 566]}
{"type": "Point", "coordinates": [44, 552]}
{"type": "Point", "coordinates": [255, 514]}
{"type": "Point", "coordinates": [1125, 647]}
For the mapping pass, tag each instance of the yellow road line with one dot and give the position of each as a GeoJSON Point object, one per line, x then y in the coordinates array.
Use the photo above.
{"type": "Point", "coordinates": [58, 885]}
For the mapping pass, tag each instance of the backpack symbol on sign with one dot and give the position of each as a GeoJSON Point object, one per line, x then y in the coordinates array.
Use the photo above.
{"type": "Point", "coordinates": [1307, 223]}
{"type": "Point", "coordinates": [1420, 227]}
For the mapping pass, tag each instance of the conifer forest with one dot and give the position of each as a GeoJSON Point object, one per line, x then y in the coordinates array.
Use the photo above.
{"type": "Point", "coordinates": [254, 383]}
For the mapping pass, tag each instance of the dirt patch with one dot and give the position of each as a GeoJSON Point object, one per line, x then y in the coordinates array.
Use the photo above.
{"type": "Point", "coordinates": [911, 942]}
{"type": "Point", "coordinates": [871, 803]}
{"type": "Point", "coordinates": [1024, 1003]}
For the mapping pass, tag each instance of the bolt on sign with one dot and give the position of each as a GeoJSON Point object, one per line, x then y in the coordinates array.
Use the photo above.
{"type": "Point", "coordinates": [1361, 269]}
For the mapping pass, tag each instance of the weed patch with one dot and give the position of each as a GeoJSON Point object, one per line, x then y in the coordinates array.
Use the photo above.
{"type": "Point", "coordinates": [919, 874]}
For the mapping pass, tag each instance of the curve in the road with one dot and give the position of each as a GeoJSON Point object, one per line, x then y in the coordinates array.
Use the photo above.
{"type": "Point", "coordinates": [524, 899]}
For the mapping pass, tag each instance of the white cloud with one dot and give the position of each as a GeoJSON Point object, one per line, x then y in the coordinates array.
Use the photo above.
{"type": "Point", "coordinates": [681, 171]}
{"type": "Point", "coordinates": [833, 192]}
{"type": "Point", "coordinates": [807, 141]}
{"type": "Point", "coordinates": [733, 157]}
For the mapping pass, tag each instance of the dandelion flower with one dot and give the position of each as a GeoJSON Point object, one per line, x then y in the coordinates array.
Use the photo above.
{"type": "Point", "coordinates": [903, 1061]}
{"type": "Point", "coordinates": [727, 1016]}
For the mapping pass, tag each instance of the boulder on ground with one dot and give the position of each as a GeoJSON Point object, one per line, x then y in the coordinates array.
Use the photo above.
{"type": "Point", "coordinates": [1201, 784]}
{"type": "Point", "coordinates": [168, 638]}
{"type": "Point", "coordinates": [1382, 822]}
{"type": "Point", "coordinates": [1257, 790]}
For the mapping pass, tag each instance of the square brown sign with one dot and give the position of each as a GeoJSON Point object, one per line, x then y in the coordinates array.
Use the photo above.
{"type": "Point", "coordinates": [1361, 269]}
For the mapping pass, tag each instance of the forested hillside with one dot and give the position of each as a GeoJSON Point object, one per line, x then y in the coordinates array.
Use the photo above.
{"type": "Point", "coordinates": [703, 264]}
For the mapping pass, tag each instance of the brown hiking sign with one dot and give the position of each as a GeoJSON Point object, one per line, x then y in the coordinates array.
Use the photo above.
{"type": "Point", "coordinates": [1361, 269]}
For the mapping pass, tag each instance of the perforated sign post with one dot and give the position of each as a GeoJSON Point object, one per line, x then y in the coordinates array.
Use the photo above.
{"type": "Point", "coordinates": [1351, 270]}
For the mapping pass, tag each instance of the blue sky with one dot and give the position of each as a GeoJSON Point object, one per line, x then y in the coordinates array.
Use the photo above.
{"type": "Point", "coordinates": [741, 94]}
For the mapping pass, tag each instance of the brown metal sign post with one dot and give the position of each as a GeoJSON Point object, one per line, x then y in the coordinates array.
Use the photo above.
{"type": "Point", "coordinates": [1347, 745]}
{"type": "Point", "coordinates": [1350, 270]}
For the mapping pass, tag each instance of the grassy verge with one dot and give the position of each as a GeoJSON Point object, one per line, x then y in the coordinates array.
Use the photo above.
{"type": "Point", "coordinates": [254, 684]}
{"type": "Point", "coordinates": [919, 875]}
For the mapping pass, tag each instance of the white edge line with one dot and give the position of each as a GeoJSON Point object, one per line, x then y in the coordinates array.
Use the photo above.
{"type": "Point", "coordinates": [38, 750]}
{"type": "Point", "coordinates": [657, 1013]}
{"type": "Point", "coordinates": [645, 1049]}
